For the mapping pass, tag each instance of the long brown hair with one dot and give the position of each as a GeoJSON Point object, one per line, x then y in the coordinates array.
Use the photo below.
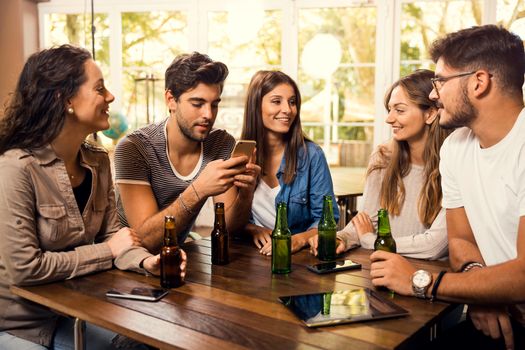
{"type": "Point", "coordinates": [37, 110]}
{"type": "Point", "coordinates": [394, 157]}
{"type": "Point", "coordinates": [253, 129]}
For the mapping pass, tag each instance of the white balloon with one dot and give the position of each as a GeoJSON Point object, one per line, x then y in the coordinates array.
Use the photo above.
{"type": "Point", "coordinates": [321, 56]}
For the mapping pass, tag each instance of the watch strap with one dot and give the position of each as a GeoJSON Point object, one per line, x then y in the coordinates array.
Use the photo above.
{"type": "Point", "coordinates": [433, 293]}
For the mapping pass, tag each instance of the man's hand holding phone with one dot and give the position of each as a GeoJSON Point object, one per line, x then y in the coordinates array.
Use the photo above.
{"type": "Point", "coordinates": [219, 175]}
{"type": "Point", "coordinates": [248, 179]}
{"type": "Point", "coordinates": [244, 147]}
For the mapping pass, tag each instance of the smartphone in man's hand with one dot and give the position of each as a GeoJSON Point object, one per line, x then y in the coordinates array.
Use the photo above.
{"type": "Point", "coordinates": [243, 148]}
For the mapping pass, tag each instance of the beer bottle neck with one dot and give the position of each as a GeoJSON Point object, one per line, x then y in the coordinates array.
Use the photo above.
{"type": "Point", "coordinates": [383, 223]}
{"type": "Point", "coordinates": [281, 221]}
{"type": "Point", "coordinates": [383, 227]}
{"type": "Point", "coordinates": [328, 212]}
{"type": "Point", "coordinates": [219, 218]}
{"type": "Point", "coordinates": [170, 237]}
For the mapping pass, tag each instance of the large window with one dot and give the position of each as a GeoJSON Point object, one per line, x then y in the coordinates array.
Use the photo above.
{"type": "Point", "coordinates": [75, 29]}
{"type": "Point", "coordinates": [150, 41]}
{"type": "Point", "coordinates": [336, 74]}
{"type": "Point", "coordinates": [511, 14]}
{"type": "Point", "coordinates": [254, 47]}
{"type": "Point", "coordinates": [344, 54]}
{"type": "Point", "coordinates": [422, 22]}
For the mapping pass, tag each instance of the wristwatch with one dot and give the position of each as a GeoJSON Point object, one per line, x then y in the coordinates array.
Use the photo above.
{"type": "Point", "coordinates": [421, 280]}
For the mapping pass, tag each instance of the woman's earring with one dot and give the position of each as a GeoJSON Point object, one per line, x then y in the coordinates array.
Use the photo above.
{"type": "Point", "coordinates": [70, 110]}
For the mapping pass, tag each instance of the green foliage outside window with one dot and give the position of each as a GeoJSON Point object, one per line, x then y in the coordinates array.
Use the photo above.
{"type": "Point", "coordinates": [150, 41]}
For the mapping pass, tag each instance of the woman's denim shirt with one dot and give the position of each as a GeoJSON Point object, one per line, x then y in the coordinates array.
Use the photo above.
{"type": "Point", "coordinates": [304, 196]}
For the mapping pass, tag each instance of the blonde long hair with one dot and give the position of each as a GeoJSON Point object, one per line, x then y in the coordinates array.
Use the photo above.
{"type": "Point", "coordinates": [394, 158]}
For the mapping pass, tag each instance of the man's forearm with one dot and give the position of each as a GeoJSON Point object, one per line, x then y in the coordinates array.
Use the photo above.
{"type": "Point", "coordinates": [238, 214]}
{"type": "Point", "coordinates": [462, 251]}
{"type": "Point", "coordinates": [488, 285]}
{"type": "Point", "coordinates": [184, 208]}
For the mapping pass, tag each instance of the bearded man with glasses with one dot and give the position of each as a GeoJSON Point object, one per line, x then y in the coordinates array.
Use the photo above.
{"type": "Point", "coordinates": [478, 89]}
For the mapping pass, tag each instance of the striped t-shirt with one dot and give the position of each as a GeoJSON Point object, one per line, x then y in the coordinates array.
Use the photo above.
{"type": "Point", "coordinates": [142, 158]}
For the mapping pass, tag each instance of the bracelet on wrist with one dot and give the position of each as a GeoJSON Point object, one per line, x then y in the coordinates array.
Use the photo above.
{"type": "Point", "coordinates": [466, 267]}
{"type": "Point", "coordinates": [181, 201]}
{"type": "Point", "coordinates": [433, 293]}
{"type": "Point", "coordinates": [194, 190]}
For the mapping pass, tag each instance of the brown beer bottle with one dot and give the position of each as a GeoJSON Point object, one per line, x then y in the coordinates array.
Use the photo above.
{"type": "Point", "coordinates": [170, 257]}
{"type": "Point", "coordinates": [219, 238]}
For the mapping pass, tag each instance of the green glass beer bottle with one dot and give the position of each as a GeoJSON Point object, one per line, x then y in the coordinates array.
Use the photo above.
{"type": "Point", "coordinates": [219, 238]}
{"type": "Point", "coordinates": [327, 229]}
{"type": "Point", "coordinates": [384, 240]}
{"type": "Point", "coordinates": [281, 242]}
{"type": "Point", "coordinates": [170, 257]}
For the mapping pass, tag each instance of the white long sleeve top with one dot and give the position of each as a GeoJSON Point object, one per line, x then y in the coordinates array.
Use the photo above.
{"type": "Point", "coordinates": [412, 238]}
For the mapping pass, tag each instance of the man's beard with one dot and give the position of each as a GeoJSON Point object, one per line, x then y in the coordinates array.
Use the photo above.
{"type": "Point", "coordinates": [186, 129]}
{"type": "Point", "coordinates": [464, 115]}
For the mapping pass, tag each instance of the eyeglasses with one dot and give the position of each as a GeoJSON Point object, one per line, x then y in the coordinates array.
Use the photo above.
{"type": "Point", "coordinates": [439, 81]}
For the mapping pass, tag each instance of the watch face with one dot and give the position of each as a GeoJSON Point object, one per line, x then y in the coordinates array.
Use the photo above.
{"type": "Point", "coordinates": [421, 279]}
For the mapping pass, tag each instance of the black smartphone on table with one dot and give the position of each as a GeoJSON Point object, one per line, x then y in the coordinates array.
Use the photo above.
{"type": "Point", "coordinates": [145, 294]}
{"type": "Point", "coordinates": [334, 266]}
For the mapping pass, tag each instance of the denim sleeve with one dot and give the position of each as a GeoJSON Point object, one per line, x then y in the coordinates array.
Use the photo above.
{"type": "Point", "coordinates": [320, 185]}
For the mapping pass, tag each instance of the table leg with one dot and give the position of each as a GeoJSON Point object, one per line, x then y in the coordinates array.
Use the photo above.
{"type": "Point", "coordinates": [351, 207]}
{"type": "Point", "coordinates": [342, 204]}
{"type": "Point", "coordinates": [79, 331]}
{"type": "Point", "coordinates": [347, 209]}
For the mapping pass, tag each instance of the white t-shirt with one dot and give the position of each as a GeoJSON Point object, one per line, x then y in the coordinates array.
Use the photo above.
{"type": "Point", "coordinates": [263, 205]}
{"type": "Point", "coordinates": [490, 184]}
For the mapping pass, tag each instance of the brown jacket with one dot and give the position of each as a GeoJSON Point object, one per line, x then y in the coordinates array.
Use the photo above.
{"type": "Point", "coordinates": [44, 237]}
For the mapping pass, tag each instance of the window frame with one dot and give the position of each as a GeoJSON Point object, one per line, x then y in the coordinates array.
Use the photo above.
{"type": "Point", "coordinates": [388, 31]}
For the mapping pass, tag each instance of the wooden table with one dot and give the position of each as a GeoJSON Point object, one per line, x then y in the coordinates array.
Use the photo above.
{"type": "Point", "coordinates": [236, 306]}
{"type": "Point", "coordinates": [348, 185]}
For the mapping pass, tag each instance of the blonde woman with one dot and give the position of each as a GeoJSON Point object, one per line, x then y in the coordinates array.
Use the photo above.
{"type": "Point", "coordinates": [403, 177]}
